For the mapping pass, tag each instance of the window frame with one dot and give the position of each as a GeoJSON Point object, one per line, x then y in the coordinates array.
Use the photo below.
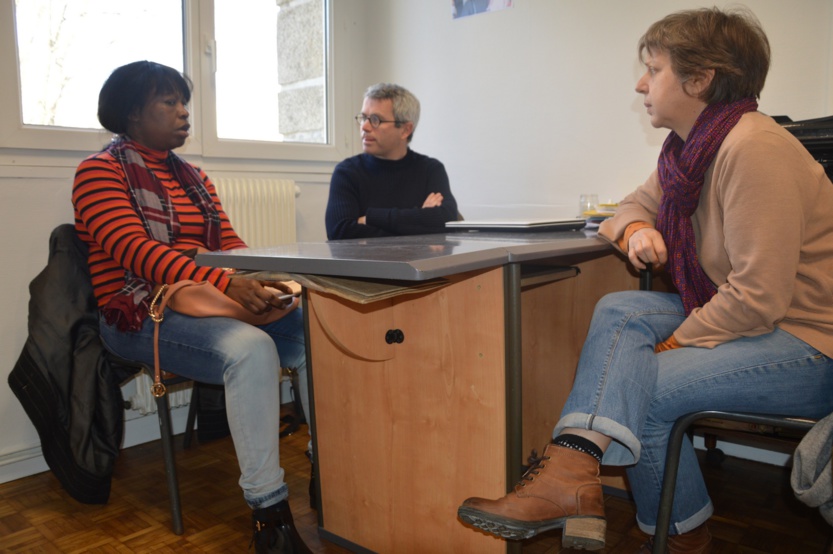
{"type": "Point", "coordinates": [198, 37]}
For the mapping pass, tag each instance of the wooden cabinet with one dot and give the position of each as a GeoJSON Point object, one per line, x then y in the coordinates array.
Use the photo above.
{"type": "Point", "coordinates": [413, 403]}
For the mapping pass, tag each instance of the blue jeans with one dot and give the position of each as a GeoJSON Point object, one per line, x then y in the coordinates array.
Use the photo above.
{"type": "Point", "coordinates": [627, 392]}
{"type": "Point", "coordinates": [243, 358]}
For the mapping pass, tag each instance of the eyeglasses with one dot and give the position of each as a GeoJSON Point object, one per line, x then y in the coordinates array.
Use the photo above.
{"type": "Point", "coordinates": [375, 120]}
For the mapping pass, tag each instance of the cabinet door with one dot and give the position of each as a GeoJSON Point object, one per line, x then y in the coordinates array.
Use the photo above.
{"type": "Point", "coordinates": [406, 431]}
{"type": "Point", "coordinates": [357, 330]}
{"type": "Point", "coordinates": [555, 320]}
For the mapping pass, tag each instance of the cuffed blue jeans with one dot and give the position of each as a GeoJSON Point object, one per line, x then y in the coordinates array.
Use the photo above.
{"type": "Point", "coordinates": [627, 392]}
{"type": "Point", "coordinates": [247, 360]}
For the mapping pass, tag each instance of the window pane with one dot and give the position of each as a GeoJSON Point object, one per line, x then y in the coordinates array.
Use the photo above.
{"type": "Point", "coordinates": [68, 48]}
{"type": "Point", "coordinates": [270, 76]}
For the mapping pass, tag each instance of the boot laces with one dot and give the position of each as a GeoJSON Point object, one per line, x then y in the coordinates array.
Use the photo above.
{"type": "Point", "coordinates": [536, 463]}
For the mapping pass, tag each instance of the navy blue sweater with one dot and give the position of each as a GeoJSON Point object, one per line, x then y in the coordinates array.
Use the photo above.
{"type": "Point", "coordinates": [390, 195]}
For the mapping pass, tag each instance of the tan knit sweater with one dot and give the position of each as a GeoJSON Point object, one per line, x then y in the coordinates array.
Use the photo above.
{"type": "Point", "coordinates": [764, 233]}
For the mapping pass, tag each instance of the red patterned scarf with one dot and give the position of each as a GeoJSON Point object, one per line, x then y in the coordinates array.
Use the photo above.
{"type": "Point", "coordinates": [128, 308]}
{"type": "Point", "coordinates": [682, 169]}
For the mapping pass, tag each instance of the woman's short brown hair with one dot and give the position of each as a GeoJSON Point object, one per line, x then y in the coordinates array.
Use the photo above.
{"type": "Point", "coordinates": [732, 43]}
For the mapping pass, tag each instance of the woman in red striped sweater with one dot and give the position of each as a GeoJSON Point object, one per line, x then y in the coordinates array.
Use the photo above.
{"type": "Point", "coordinates": [141, 208]}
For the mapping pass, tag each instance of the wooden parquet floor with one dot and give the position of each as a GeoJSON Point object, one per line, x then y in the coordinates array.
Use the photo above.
{"type": "Point", "coordinates": [755, 511]}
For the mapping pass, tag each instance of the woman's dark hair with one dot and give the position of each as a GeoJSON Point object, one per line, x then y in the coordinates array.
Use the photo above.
{"type": "Point", "coordinates": [131, 86]}
{"type": "Point", "coordinates": [730, 42]}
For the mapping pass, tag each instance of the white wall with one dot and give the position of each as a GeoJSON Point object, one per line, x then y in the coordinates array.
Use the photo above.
{"type": "Point", "coordinates": [530, 105]}
{"type": "Point", "coordinates": [536, 103]}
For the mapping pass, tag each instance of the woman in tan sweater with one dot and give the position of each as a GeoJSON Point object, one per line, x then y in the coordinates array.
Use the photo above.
{"type": "Point", "coordinates": [741, 216]}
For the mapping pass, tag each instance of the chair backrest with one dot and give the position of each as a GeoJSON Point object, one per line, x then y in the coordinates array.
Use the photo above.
{"type": "Point", "coordinates": [817, 137]}
{"type": "Point", "coordinates": [62, 379]}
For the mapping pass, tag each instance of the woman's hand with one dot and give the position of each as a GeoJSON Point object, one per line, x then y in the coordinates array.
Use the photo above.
{"type": "Point", "coordinates": [278, 289]}
{"type": "Point", "coordinates": [252, 295]}
{"type": "Point", "coordinates": [647, 246]}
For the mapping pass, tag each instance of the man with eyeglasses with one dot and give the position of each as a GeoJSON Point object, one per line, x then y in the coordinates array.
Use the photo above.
{"type": "Point", "coordinates": [389, 189]}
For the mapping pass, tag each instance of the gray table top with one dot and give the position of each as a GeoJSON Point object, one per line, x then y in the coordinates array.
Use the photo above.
{"type": "Point", "coordinates": [410, 258]}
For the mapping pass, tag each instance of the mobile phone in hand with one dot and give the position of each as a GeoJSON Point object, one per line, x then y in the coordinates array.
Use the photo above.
{"type": "Point", "coordinates": [282, 296]}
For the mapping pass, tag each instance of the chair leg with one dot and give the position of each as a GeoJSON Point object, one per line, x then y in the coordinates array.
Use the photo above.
{"type": "Point", "coordinates": [714, 455]}
{"type": "Point", "coordinates": [669, 481]}
{"type": "Point", "coordinates": [193, 407]}
{"type": "Point", "coordinates": [166, 434]}
{"type": "Point", "coordinates": [672, 458]}
{"type": "Point", "coordinates": [298, 406]}
{"type": "Point", "coordinates": [297, 418]}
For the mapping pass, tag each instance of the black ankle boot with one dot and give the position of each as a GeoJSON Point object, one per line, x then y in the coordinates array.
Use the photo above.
{"type": "Point", "coordinates": [274, 531]}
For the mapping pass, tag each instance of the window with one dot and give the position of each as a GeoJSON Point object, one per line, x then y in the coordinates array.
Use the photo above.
{"type": "Point", "coordinates": [66, 50]}
{"type": "Point", "coordinates": [279, 69]}
{"type": "Point", "coordinates": [262, 86]}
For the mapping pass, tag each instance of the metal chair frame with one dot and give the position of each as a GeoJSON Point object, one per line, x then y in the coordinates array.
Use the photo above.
{"type": "Point", "coordinates": [672, 458]}
{"type": "Point", "coordinates": [163, 411]}
{"type": "Point", "coordinates": [678, 432]}
{"type": "Point", "coordinates": [166, 434]}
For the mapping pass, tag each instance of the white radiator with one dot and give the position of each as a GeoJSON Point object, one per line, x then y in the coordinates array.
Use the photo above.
{"type": "Point", "coordinates": [262, 212]}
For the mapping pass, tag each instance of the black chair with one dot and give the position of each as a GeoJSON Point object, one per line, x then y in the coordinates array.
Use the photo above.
{"type": "Point", "coordinates": [683, 425]}
{"type": "Point", "coordinates": [67, 279]}
{"type": "Point", "coordinates": [672, 459]}
{"type": "Point", "coordinates": [166, 428]}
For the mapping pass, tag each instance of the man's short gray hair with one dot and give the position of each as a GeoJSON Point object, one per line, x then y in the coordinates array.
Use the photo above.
{"type": "Point", "coordinates": [405, 104]}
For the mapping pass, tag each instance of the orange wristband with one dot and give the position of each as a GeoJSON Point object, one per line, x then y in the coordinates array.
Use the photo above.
{"type": "Point", "coordinates": [629, 231]}
{"type": "Point", "coordinates": [668, 344]}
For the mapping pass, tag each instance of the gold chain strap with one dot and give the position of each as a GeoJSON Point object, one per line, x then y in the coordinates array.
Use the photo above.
{"type": "Point", "coordinates": [157, 318]}
{"type": "Point", "coordinates": [157, 389]}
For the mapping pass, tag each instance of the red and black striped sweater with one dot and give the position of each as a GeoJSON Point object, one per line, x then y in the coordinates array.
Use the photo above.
{"type": "Point", "coordinates": [107, 221]}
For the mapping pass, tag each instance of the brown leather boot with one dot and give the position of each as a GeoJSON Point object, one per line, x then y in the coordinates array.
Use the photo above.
{"type": "Point", "coordinates": [696, 541]}
{"type": "Point", "coordinates": [562, 490]}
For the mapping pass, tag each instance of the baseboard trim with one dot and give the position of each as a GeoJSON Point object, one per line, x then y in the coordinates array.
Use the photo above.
{"type": "Point", "coordinates": [29, 459]}
{"type": "Point", "coordinates": [22, 463]}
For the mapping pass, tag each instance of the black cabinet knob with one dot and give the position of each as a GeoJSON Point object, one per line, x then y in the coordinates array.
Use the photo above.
{"type": "Point", "coordinates": [394, 336]}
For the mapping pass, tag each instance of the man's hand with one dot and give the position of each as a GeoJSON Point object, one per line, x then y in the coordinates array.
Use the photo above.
{"type": "Point", "coordinates": [434, 200]}
{"type": "Point", "coordinates": [647, 246]}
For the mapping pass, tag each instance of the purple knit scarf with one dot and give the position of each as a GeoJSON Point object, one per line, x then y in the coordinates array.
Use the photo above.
{"type": "Point", "coordinates": [682, 169]}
